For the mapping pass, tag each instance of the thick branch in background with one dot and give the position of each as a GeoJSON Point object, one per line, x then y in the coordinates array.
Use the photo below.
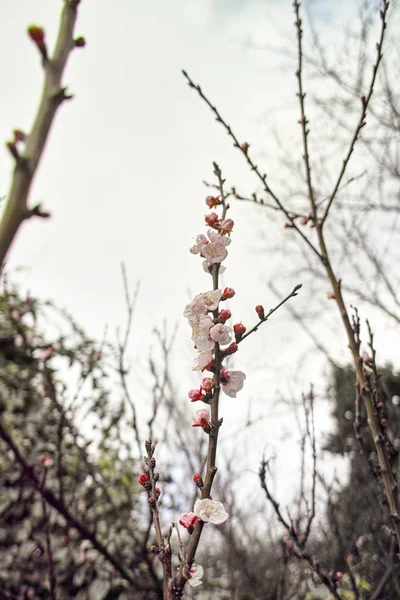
{"type": "Point", "coordinates": [53, 95]}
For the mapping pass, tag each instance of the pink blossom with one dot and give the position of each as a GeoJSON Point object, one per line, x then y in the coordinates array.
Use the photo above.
{"type": "Point", "coordinates": [201, 241]}
{"type": "Point", "coordinates": [234, 381]}
{"type": "Point", "coordinates": [202, 303]}
{"type": "Point", "coordinates": [212, 219]}
{"type": "Point", "coordinates": [202, 418]}
{"type": "Point", "coordinates": [212, 201]}
{"type": "Point", "coordinates": [188, 520]}
{"type": "Point", "coordinates": [221, 333]}
{"type": "Point", "coordinates": [210, 511]}
{"type": "Point", "coordinates": [215, 252]}
{"type": "Point", "coordinates": [196, 572]}
{"type": "Point", "coordinates": [195, 395]}
{"type": "Point", "coordinates": [202, 360]}
{"type": "Point", "coordinates": [214, 236]}
{"type": "Point", "coordinates": [207, 384]}
{"type": "Point", "coordinates": [226, 226]}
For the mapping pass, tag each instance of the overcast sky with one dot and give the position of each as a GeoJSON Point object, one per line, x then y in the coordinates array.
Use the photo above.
{"type": "Point", "coordinates": [123, 168]}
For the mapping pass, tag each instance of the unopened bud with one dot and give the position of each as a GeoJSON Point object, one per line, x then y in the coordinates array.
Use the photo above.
{"type": "Point", "coordinates": [228, 293]}
{"type": "Point", "coordinates": [231, 349]}
{"type": "Point", "coordinates": [260, 311]}
{"type": "Point", "coordinates": [224, 315]}
{"type": "Point", "coordinates": [197, 478]}
{"type": "Point", "coordinates": [143, 478]}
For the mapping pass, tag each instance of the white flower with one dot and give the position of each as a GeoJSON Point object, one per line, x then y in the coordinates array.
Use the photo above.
{"type": "Point", "coordinates": [202, 360]}
{"type": "Point", "coordinates": [201, 241]}
{"type": "Point", "coordinates": [210, 511]}
{"type": "Point", "coordinates": [234, 382]}
{"type": "Point", "coordinates": [201, 333]}
{"type": "Point", "coordinates": [202, 303]}
{"type": "Point", "coordinates": [215, 252]}
{"type": "Point", "coordinates": [216, 237]}
{"type": "Point", "coordinates": [221, 333]}
{"type": "Point", "coordinates": [196, 572]}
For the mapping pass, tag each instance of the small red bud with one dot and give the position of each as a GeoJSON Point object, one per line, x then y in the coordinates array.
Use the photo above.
{"type": "Point", "coordinates": [224, 315]}
{"type": "Point", "coordinates": [152, 501]}
{"type": "Point", "coordinates": [260, 311]}
{"type": "Point", "coordinates": [239, 328]}
{"type": "Point", "coordinates": [36, 34]}
{"type": "Point", "coordinates": [231, 349]}
{"type": "Point", "coordinates": [380, 405]}
{"type": "Point", "coordinates": [228, 293]}
{"type": "Point", "coordinates": [143, 478]}
{"type": "Point", "coordinates": [158, 491]}
{"type": "Point", "coordinates": [384, 422]}
{"type": "Point", "coordinates": [245, 146]}
{"type": "Point", "coordinates": [197, 478]}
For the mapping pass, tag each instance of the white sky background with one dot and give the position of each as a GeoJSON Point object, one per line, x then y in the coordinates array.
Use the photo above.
{"type": "Point", "coordinates": [123, 169]}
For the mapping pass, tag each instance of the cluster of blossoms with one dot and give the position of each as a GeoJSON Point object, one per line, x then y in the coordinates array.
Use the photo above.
{"type": "Point", "coordinates": [209, 323]}
{"type": "Point", "coordinates": [208, 511]}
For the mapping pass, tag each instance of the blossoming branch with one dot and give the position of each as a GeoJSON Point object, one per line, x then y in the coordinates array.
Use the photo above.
{"type": "Point", "coordinates": [214, 340]}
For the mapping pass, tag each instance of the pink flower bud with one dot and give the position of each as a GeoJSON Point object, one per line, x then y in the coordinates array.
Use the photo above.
{"type": "Point", "coordinates": [152, 501]}
{"type": "Point", "coordinates": [197, 478]}
{"type": "Point", "coordinates": [212, 201]}
{"type": "Point", "coordinates": [212, 219]}
{"type": "Point", "coordinates": [304, 220]}
{"type": "Point", "coordinates": [228, 293]}
{"type": "Point", "coordinates": [207, 384]}
{"type": "Point", "coordinates": [143, 478]}
{"type": "Point", "coordinates": [158, 491]}
{"type": "Point", "coordinates": [226, 226]}
{"type": "Point", "coordinates": [383, 422]}
{"type": "Point", "coordinates": [245, 146]}
{"type": "Point", "coordinates": [188, 520]}
{"type": "Point", "coordinates": [224, 315]}
{"type": "Point", "coordinates": [202, 418]}
{"type": "Point", "coordinates": [195, 395]}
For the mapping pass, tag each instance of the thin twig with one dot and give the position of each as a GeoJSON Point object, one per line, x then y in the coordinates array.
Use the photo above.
{"type": "Point", "coordinates": [253, 166]}
{"type": "Point", "coordinates": [364, 105]}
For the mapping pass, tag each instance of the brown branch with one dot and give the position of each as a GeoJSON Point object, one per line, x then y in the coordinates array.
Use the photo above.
{"type": "Point", "coordinates": [48, 496]}
{"type": "Point", "coordinates": [271, 312]}
{"type": "Point", "coordinates": [16, 210]}
{"type": "Point", "coordinates": [211, 468]}
{"type": "Point", "coordinates": [252, 165]}
{"type": "Point", "coordinates": [364, 105]}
